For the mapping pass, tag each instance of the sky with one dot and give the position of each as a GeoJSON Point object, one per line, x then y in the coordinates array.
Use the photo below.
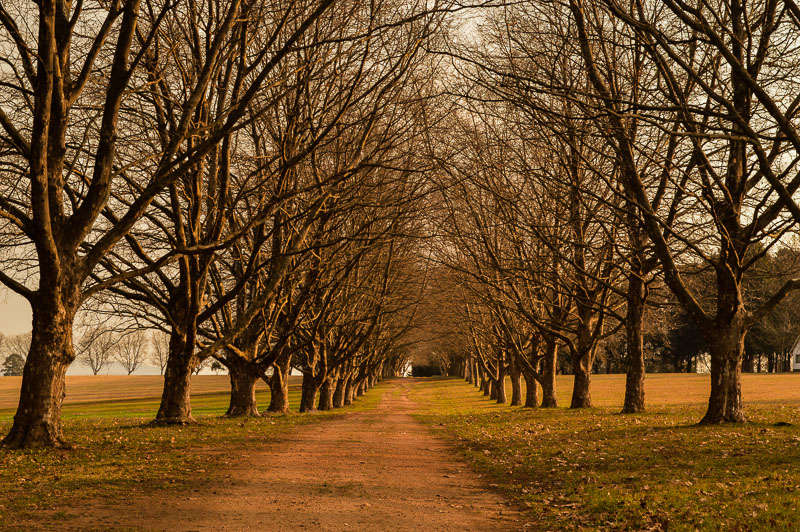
{"type": "Point", "coordinates": [115, 369]}
{"type": "Point", "coordinates": [15, 318]}
{"type": "Point", "coordinates": [15, 313]}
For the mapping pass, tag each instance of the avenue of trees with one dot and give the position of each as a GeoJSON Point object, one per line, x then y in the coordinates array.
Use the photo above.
{"type": "Point", "coordinates": [614, 161]}
{"type": "Point", "coordinates": [230, 173]}
{"type": "Point", "coordinates": [338, 185]}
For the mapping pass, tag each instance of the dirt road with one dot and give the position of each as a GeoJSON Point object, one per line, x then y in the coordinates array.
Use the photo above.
{"type": "Point", "coordinates": [368, 471]}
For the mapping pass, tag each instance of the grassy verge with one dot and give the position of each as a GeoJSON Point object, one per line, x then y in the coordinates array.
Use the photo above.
{"type": "Point", "coordinates": [117, 455]}
{"type": "Point", "coordinates": [598, 470]}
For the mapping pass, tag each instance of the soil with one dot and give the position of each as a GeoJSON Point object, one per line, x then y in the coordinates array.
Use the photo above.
{"type": "Point", "coordinates": [369, 471]}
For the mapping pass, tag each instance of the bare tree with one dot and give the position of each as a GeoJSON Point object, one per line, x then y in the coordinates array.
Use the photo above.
{"type": "Point", "coordinates": [344, 180]}
{"type": "Point", "coordinates": [131, 350]}
{"type": "Point", "coordinates": [95, 347]}
{"type": "Point", "coordinates": [723, 75]}
{"type": "Point", "coordinates": [18, 344]}
{"type": "Point", "coordinates": [86, 85]}
{"type": "Point", "coordinates": [200, 366]}
{"type": "Point", "coordinates": [159, 350]}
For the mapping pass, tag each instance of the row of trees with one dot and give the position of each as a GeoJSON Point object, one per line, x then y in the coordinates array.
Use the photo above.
{"type": "Point", "coordinates": [242, 176]}
{"type": "Point", "coordinates": [99, 346]}
{"type": "Point", "coordinates": [614, 161]}
{"type": "Point", "coordinates": [254, 179]}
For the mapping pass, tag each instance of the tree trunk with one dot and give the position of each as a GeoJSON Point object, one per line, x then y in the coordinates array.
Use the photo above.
{"type": "Point", "coordinates": [243, 377]}
{"type": "Point", "coordinates": [279, 386]}
{"type": "Point", "coordinates": [486, 384]}
{"type": "Point", "coordinates": [634, 381]}
{"type": "Point", "coordinates": [338, 394]}
{"type": "Point", "coordinates": [308, 396]}
{"type": "Point", "coordinates": [326, 394]}
{"type": "Point", "coordinates": [37, 422]}
{"type": "Point", "coordinates": [549, 363]}
{"type": "Point", "coordinates": [531, 390]}
{"type": "Point", "coordinates": [516, 384]}
{"type": "Point", "coordinates": [176, 405]}
{"type": "Point", "coordinates": [747, 363]}
{"type": "Point", "coordinates": [581, 367]}
{"type": "Point", "coordinates": [500, 384]}
{"type": "Point", "coordinates": [725, 402]}
{"type": "Point", "coordinates": [349, 391]}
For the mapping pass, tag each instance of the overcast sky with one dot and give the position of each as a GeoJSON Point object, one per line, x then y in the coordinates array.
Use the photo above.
{"type": "Point", "coordinates": [15, 313]}
{"type": "Point", "coordinates": [15, 318]}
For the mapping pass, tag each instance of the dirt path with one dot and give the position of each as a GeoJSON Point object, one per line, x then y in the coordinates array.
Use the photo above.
{"type": "Point", "coordinates": [370, 471]}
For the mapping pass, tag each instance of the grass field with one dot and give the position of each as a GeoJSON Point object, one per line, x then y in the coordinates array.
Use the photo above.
{"type": "Point", "coordinates": [672, 389]}
{"type": "Point", "coordinates": [598, 470]}
{"type": "Point", "coordinates": [116, 452]}
{"type": "Point", "coordinates": [572, 470]}
{"type": "Point", "coordinates": [132, 396]}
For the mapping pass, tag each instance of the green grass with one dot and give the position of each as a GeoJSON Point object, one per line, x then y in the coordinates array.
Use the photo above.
{"type": "Point", "coordinates": [118, 454]}
{"type": "Point", "coordinates": [599, 470]}
{"type": "Point", "coordinates": [204, 403]}
{"type": "Point", "coordinates": [208, 404]}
